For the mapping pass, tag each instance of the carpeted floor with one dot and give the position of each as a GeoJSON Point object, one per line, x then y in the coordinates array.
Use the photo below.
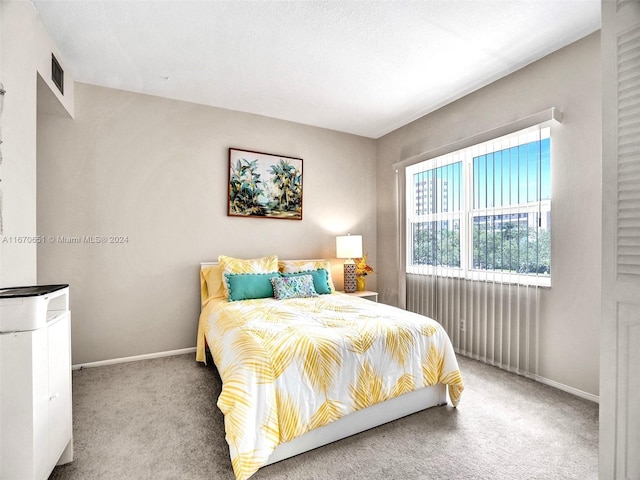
{"type": "Point", "coordinates": [157, 419]}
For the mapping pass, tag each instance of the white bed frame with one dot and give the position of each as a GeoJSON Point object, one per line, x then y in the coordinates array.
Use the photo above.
{"type": "Point", "coordinates": [361, 420]}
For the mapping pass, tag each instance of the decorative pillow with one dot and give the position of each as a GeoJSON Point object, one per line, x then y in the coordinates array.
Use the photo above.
{"type": "Point", "coordinates": [320, 279]}
{"type": "Point", "coordinates": [293, 287]}
{"type": "Point", "coordinates": [245, 286]}
{"type": "Point", "coordinates": [211, 285]}
{"type": "Point", "coordinates": [297, 266]}
{"type": "Point", "coordinates": [238, 265]}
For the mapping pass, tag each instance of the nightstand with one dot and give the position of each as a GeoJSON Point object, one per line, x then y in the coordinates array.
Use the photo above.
{"type": "Point", "coordinates": [369, 295]}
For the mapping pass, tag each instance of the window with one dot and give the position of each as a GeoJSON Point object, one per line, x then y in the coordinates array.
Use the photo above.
{"type": "Point", "coordinates": [483, 211]}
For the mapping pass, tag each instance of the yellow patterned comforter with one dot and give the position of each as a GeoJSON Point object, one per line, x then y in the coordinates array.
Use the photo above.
{"type": "Point", "coordinates": [289, 366]}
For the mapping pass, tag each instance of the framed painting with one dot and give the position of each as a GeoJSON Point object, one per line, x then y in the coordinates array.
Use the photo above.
{"type": "Point", "coordinates": [264, 185]}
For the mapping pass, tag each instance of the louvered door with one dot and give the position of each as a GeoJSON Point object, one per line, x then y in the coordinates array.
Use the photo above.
{"type": "Point", "coordinates": [620, 326]}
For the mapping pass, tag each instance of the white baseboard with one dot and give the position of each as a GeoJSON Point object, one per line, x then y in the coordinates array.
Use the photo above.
{"type": "Point", "coordinates": [565, 388]}
{"type": "Point", "coordinates": [134, 358]}
{"type": "Point", "coordinates": [537, 378]}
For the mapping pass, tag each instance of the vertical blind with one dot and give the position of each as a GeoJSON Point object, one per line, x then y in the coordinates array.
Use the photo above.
{"type": "Point", "coordinates": [478, 244]}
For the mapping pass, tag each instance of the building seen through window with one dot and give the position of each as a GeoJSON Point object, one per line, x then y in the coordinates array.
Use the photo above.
{"type": "Point", "coordinates": [483, 209]}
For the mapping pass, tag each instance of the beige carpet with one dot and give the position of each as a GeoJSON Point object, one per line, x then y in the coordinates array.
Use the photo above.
{"type": "Point", "coordinates": [157, 419]}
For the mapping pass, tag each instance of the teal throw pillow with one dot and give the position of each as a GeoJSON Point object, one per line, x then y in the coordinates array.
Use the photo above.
{"type": "Point", "coordinates": [320, 279]}
{"type": "Point", "coordinates": [246, 286]}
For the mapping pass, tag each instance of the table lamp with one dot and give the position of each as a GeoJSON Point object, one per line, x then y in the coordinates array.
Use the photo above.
{"type": "Point", "coordinates": [349, 247]}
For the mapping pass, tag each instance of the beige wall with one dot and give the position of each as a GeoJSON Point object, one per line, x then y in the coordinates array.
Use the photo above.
{"type": "Point", "coordinates": [25, 66]}
{"type": "Point", "coordinates": [570, 80]}
{"type": "Point", "coordinates": [156, 171]}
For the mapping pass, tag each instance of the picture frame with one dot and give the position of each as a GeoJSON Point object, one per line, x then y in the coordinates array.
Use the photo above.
{"type": "Point", "coordinates": [264, 185]}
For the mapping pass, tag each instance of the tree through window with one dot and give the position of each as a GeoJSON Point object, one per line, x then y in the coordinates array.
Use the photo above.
{"type": "Point", "coordinates": [483, 210]}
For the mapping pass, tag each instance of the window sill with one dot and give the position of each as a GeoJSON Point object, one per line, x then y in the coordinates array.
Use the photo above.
{"type": "Point", "coordinates": [540, 282]}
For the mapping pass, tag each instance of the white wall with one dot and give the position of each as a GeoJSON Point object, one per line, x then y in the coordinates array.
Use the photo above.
{"type": "Point", "coordinates": [156, 171]}
{"type": "Point", "coordinates": [25, 54]}
{"type": "Point", "coordinates": [570, 80]}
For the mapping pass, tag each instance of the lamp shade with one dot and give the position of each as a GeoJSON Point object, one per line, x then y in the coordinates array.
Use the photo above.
{"type": "Point", "coordinates": [349, 246]}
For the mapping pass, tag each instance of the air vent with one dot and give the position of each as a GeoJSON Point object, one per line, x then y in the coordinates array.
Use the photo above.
{"type": "Point", "coordinates": [57, 74]}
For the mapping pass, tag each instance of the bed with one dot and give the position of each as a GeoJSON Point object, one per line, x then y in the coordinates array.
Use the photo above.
{"type": "Point", "coordinates": [303, 365]}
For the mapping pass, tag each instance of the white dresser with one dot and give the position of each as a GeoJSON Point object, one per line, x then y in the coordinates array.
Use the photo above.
{"type": "Point", "coordinates": [35, 381]}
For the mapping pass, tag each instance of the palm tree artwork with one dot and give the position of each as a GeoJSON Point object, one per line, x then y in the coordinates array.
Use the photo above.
{"type": "Point", "coordinates": [264, 185]}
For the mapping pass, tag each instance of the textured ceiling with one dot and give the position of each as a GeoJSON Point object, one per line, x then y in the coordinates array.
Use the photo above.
{"type": "Point", "coordinates": [362, 67]}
